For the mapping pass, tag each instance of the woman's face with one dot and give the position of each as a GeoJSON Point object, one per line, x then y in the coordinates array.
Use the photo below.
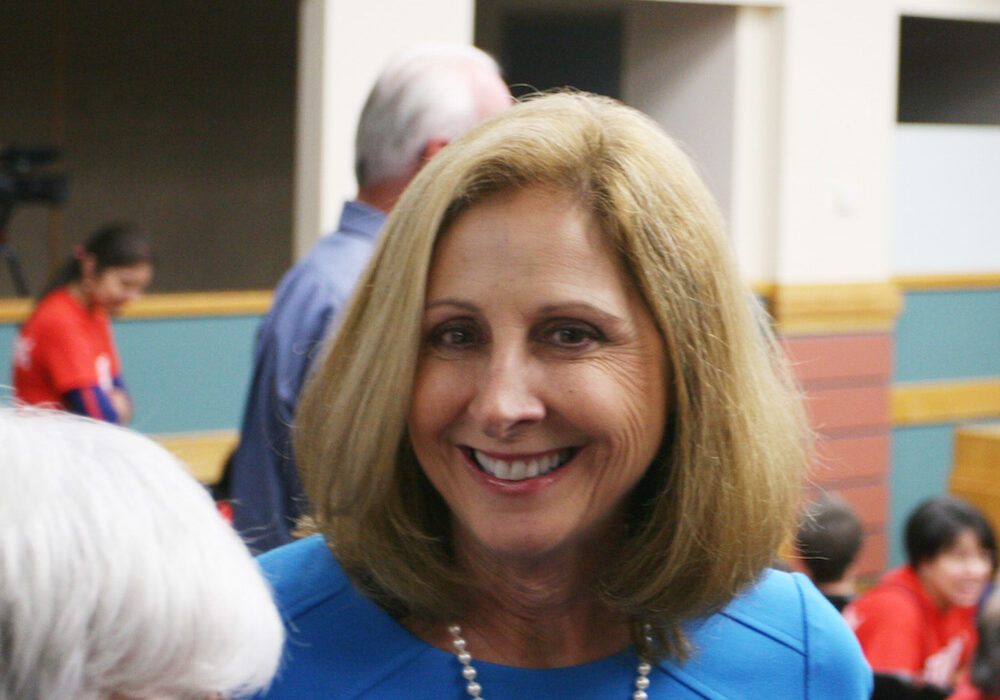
{"type": "Point", "coordinates": [540, 393]}
{"type": "Point", "coordinates": [958, 575]}
{"type": "Point", "coordinates": [114, 287]}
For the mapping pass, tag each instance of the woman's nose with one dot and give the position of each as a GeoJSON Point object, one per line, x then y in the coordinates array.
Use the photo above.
{"type": "Point", "coordinates": [506, 397]}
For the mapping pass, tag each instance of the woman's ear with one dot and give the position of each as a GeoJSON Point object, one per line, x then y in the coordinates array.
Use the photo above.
{"type": "Point", "coordinates": [88, 266]}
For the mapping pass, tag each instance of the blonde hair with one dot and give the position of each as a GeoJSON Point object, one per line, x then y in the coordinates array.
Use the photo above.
{"type": "Point", "coordinates": [714, 505]}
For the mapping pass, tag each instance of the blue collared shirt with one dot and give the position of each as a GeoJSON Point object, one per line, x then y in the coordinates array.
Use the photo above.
{"type": "Point", "coordinates": [264, 487]}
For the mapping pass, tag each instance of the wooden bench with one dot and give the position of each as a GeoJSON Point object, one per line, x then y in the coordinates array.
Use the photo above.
{"type": "Point", "coordinates": [975, 475]}
{"type": "Point", "coordinates": [204, 454]}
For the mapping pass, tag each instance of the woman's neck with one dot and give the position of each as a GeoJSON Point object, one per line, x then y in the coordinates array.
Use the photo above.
{"type": "Point", "coordinates": [536, 614]}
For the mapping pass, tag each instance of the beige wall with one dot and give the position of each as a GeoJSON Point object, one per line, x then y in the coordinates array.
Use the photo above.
{"type": "Point", "coordinates": [787, 105]}
{"type": "Point", "coordinates": [177, 116]}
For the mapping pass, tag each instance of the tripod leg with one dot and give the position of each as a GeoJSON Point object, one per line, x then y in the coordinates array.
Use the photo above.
{"type": "Point", "coordinates": [14, 267]}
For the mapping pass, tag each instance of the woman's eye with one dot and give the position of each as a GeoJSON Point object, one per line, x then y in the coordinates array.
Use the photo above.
{"type": "Point", "coordinates": [573, 336]}
{"type": "Point", "coordinates": [453, 336]}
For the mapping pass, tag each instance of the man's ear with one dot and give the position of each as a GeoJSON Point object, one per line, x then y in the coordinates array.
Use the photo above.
{"type": "Point", "coordinates": [431, 149]}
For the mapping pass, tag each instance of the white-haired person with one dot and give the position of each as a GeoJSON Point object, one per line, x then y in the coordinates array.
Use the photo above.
{"type": "Point", "coordinates": [425, 97]}
{"type": "Point", "coordinates": [551, 451]}
{"type": "Point", "coordinates": [118, 578]}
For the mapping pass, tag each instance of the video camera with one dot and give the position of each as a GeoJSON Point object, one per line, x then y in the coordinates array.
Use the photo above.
{"type": "Point", "coordinates": [20, 180]}
{"type": "Point", "coordinates": [23, 180]}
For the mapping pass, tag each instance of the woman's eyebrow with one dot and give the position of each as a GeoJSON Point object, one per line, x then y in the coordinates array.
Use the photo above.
{"type": "Point", "coordinates": [450, 301]}
{"type": "Point", "coordinates": [576, 306]}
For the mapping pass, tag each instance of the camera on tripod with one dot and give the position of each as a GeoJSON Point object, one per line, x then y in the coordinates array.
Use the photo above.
{"type": "Point", "coordinates": [23, 179]}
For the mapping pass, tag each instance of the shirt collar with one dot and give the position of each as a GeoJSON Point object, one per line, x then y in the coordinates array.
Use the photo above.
{"type": "Point", "coordinates": [358, 217]}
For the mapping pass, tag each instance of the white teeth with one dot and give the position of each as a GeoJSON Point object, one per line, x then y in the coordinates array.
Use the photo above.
{"type": "Point", "coordinates": [520, 469]}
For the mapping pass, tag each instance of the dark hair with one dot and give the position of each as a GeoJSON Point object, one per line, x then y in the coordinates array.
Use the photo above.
{"type": "Point", "coordinates": [828, 538]}
{"type": "Point", "coordinates": [935, 524]}
{"type": "Point", "coordinates": [112, 245]}
{"type": "Point", "coordinates": [985, 673]}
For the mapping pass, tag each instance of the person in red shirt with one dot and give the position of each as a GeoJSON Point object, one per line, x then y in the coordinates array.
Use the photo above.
{"type": "Point", "coordinates": [918, 622]}
{"type": "Point", "coordinates": [65, 353]}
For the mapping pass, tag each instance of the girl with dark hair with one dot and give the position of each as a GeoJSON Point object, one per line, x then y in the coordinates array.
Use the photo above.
{"type": "Point", "coordinates": [919, 621]}
{"type": "Point", "coordinates": [65, 354]}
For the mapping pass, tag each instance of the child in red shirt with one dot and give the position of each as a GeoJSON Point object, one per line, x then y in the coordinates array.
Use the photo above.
{"type": "Point", "coordinates": [918, 622]}
{"type": "Point", "coordinates": [65, 353]}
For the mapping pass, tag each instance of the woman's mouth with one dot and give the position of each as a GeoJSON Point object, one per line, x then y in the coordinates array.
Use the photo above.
{"type": "Point", "coordinates": [523, 467]}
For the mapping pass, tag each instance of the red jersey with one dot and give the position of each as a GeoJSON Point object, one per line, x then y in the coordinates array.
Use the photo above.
{"type": "Point", "coordinates": [902, 631]}
{"type": "Point", "coordinates": [63, 347]}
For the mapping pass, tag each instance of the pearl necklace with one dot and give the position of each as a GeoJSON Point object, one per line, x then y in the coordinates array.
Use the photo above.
{"type": "Point", "coordinates": [475, 690]}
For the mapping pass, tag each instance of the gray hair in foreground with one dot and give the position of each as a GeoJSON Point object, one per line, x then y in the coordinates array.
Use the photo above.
{"type": "Point", "coordinates": [117, 573]}
{"type": "Point", "coordinates": [422, 93]}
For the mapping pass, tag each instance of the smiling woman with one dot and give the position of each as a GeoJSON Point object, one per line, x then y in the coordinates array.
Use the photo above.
{"type": "Point", "coordinates": [551, 449]}
{"type": "Point", "coordinates": [541, 369]}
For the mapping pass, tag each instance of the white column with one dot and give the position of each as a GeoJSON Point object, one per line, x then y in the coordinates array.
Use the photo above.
{"type": "Point", "coordinates": [838, 117]}
{"type": "Point", "coordinates": [756, 138]}
{"type": "Point", "coordinates": [342, 46]}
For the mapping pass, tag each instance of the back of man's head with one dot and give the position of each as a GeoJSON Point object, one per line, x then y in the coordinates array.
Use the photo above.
{"type": "Point", "coordinates": [828, 539]}
{"type": "Point", "coordinates": [430, 93]}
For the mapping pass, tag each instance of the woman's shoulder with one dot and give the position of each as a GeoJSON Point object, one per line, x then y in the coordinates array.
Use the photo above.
{"type": "Point", "coordinates": [339, 643]}
{"type": "Point", "coordinates": [303, 574]}
{"type": "Point", "coordinates": [784, 636]}
{"type": "Point", "coordinates": [783, 604]}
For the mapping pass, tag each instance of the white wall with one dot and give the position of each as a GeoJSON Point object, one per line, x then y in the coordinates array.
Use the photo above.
{"type": "Point", "coordinates": [678, 67]}
{"type": "Point", "coordinates": [788, 105]}
{"type": "Point", "coordinates": [946, 199]}
{"type": "Point", "coordinates": [756, 140]}
{"type": "Point", "coordinates": [988, 10]}
{"type": "Point", "coordinates": [838, 112]}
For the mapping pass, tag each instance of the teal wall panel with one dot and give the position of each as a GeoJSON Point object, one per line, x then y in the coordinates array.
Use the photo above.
{"type": "Point", "coordinates": [921, 461]}
{"type": "Point", "coordinates": [941, 336]}
{"type": "Point", "coordinates": [948, 335]}
{"type": "Point", "coordinates": [185, 374]}
{"type": "Point", "coordinates": [8, 331]}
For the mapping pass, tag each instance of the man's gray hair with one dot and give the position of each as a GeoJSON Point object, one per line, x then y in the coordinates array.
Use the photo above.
{"type": "Point", "coordinates": [117, 573]}
{"type": "Point", "coordinates": [423, 93]}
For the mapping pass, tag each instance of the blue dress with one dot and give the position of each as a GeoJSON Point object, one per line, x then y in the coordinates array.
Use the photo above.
{"type": "Point", "coordinates": [781, 640]}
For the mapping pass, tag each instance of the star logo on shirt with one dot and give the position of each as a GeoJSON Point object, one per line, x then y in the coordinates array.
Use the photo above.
{"type": "Point", "coordinates": [22, 352]}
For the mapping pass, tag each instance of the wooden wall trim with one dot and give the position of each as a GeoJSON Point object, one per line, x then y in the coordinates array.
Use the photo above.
{"type": "Point", "coordinates": [843, 308]}
{"type": "Point", "coordinates": [835, 308]}
{"type": "Point", "coordinates": [243, 303]}
{"type": "Point", "coordinates": [796, 308]}
{"type": "Point", "coordinates": [919, 403]}
{"type": "Point", "coordinates": [15, 310]}
{"type": "Point", "coordinates": [917, 283]}
{"type": "Point", "coordinates": [175, 305]}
